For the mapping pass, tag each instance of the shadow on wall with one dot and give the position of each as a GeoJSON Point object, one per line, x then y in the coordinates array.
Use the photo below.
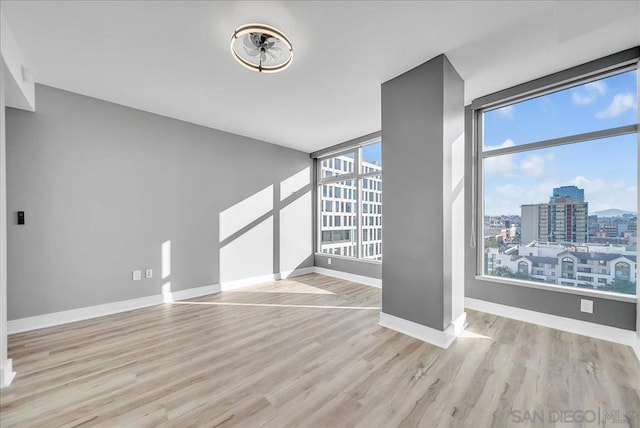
{"type": "Point", "coordinates": [267, 233]}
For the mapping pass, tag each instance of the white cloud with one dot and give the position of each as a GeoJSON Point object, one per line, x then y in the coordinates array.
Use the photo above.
{"type": "Point", "coordinates": [507, 111]}
{"type": "Point", "coordinates": [509, 197]}
{"type": "Point", "coordinates": [506, 143]}
{"type": "Point", "coordinates": [503, 166]}
{"type": "Point", "coordinates": [515, 165]}
{"type": "Point", "coordinates": [589, 92]}
{"type": "Point", "coordinates": [533, 165]}
{"type": "Point", "coordinates": [603, 194]}
{"type": "Point", "coordinates": [619, 105]}
{"type": "Point", "coordinates": [598, 86]}
{"type": "Point", "coordinates": [582, 100]}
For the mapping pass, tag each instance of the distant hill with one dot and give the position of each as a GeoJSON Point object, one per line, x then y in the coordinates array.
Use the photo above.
{"type": "Point", "coordinates": [612, 212]}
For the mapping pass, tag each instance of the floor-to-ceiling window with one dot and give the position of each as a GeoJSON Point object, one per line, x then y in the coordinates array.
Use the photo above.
{"type": "Point", "coordinates": [558, 174]}
{"type": "Point", "coordinates": [350, 202]}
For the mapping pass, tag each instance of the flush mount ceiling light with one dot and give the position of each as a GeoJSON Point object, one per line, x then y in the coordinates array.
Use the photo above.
{"type": "Point", "coordinates": [261, 48]}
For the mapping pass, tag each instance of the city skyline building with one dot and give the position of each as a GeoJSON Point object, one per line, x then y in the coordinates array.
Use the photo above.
{"type": "Point", "coordinates": [563, 219]}
{"type": "Point", "coordinates": [576, 194]}
{"type": "Point", "coordinates": [342, 206]}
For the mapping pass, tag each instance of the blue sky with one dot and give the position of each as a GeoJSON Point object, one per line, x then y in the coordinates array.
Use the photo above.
{"type": "Point", "coordinates": [372, 152]}
{"type": "Point", "coordinates": [606, 169]}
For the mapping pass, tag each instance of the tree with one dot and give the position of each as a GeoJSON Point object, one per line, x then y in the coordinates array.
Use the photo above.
{"type": "Point", "coordinates": [623, 286]}
{"type": "Point", "coordinates": [491, 242]}
{"type": "Point", "coordinates": [502, 271]}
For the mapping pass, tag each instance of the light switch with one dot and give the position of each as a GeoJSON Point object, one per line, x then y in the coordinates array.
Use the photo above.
{"type": "Point", "coordinates": [137, 275]}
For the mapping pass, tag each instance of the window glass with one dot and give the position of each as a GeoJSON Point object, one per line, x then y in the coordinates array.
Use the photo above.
{"type": "Point", "coordinates": [339, 165]}
{"type": "Point", "coordinates": [606, 103]}
{"type": "Point", "coordinates": [371, 158]}
{"type": "Point", "coordinates": [341, 232]}
{"type": "Point", "coordinates": [356, 214]}
{"type": "Point", "coordinates": [567, 211]}
{"type": "Point", "coordinates": [372, 219]}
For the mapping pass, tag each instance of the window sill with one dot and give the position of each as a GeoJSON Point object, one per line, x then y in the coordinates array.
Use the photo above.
{"type": "Point", "coordinates": [562, 289]}
{"type": "Point", "coordinates": [352, 259]}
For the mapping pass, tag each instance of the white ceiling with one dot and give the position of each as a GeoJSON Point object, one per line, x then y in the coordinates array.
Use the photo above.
{"type": "Point", "coordinates": [173, 58]}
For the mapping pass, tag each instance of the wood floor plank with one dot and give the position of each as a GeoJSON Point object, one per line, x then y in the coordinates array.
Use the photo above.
{"type": "Point", "coordinates": [306, 351]}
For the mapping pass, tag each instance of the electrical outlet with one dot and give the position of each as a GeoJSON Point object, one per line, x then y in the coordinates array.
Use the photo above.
{"type": "Point", "coordinates": [586, 306]}
{"type": "Point", "coordinates": [329, 260]}
{"type": "Point", "coordinates": [148, 273]}
{"type": "Point", "coordinates": [137, 275]}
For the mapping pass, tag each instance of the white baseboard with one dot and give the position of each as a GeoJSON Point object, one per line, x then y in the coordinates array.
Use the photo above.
{"type": "Point", "coordinates": [190, 293]}
{"type": "Point", "coordinates": [64, 317]}
{"type": "Point", "coordinates": [247, 282]}
{"type": "Point", "coordinates": [296, 272]}
{"type": "Point", "coordinates": [241, 283]}
{"type": "Point", "coordinates": [6, 373]}
{"type": "Point", "coordinates": [441, 339]}
{"type": "Point", "coordinates": [366, 280]}
{"type": "Point", "coordinates": [585, 328]}
{"type": "Point", "coordinates": [459, 324]}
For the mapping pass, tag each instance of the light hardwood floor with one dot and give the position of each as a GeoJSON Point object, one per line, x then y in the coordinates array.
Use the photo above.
{"type": "Point", "coordinates": [307, 352]}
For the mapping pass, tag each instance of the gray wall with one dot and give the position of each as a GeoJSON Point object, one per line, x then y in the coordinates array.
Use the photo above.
{"type": "Point", "coordinates": [103, 186]}
{"type": "Point", "coordinates": [354, 266]}
{"type": "Point", "coordinates": [4, 74]}
{"type": "Point", "coordinates": [413, 126]}
{"type": "Point", "coordinates": [607, 312]}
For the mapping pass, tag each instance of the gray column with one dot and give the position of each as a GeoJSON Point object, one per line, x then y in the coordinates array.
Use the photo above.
{"type": "Point", "coordinates": [422, 134]}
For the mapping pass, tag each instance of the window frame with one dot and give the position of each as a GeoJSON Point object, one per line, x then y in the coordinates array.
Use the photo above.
{"type": "Point", "coordinates": [357, 175]}
{"type": "Point", "coordinates": [595, 70]}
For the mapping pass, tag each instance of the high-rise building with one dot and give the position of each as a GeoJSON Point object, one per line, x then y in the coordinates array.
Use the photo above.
{"type": "Point", "coordinates": [342, 207]}
{"type": "Point", "coordinates": [529, 224]}
{"type": "Point", "coordinates": [562, 220]}
{"type": "Point", "coordinates": [576, 194]}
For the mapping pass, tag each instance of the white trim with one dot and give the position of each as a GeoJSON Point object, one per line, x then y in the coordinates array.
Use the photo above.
{"type": "Point", "coordinates": [190, 293]}
{"type": "Point", "coordinates": [585, 328]}
{"type": "Point", "coordinates": [460, 324]}
{"type": "Point", "coordinates": [6, 373]}
{"type": "Point", "coordinates": [629, 298]}
{"type": "Point", "coordinates": [246, 282]}
{"type": "Point", "coordinates": [441, 339]}
{"type": "Point", "coordinates": [366, 280]}
{"type": "Point", "coordinates": [241, 283]}
{"type": "Point", "coordinates": [80, 314]}
{"type": "Point", "coordinates": [348, 258]}
{"type": "Point", "coordinates": [293, 273]}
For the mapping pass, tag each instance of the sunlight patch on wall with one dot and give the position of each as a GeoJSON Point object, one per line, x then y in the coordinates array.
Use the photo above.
{"type": "Point", "coordinates": [295, 234]}
{"type": "Point", "coordinates": [457, 162]}
{"type": "Point", "coordinates": [249, 255]}
{"type": "Point", "coordinates": [296, 182]}
{"type": "Point", "coordinates": [167, 296]}
{"type": "Point", "coordinates": [240, 215]}
{"type": "Point", "coordinates": [166, 259]}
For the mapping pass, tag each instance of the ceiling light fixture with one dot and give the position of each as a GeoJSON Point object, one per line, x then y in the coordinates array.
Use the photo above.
{"type": "Point", "coordinates": [261, 48]}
